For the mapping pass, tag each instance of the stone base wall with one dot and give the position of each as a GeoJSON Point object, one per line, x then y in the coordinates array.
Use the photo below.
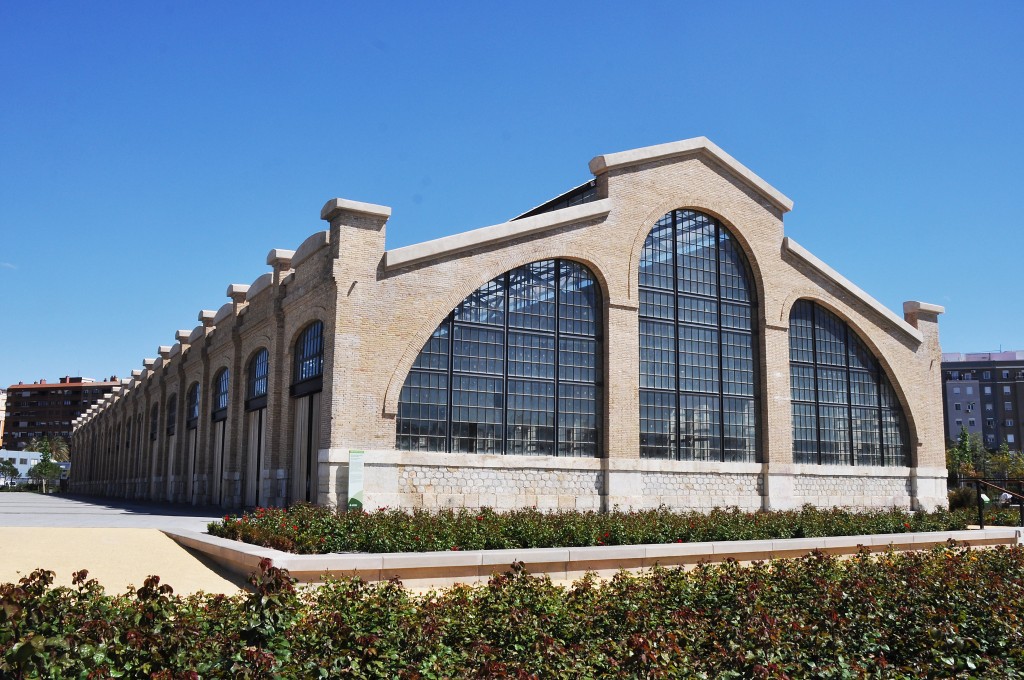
{"type": "Point", "coordinates": [546, 488]}
{"type": "Point", "coordinates": [701, 491]}
{"type": "Point", "coordinates": [853, 492]}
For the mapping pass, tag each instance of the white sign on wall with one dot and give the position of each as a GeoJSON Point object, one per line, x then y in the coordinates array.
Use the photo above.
{"type": "Point", "coordinates": [355, 480]}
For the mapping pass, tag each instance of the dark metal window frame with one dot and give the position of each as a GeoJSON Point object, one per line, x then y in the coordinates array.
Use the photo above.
{"type": "Point", "coordinates": [506, 330]}
{"type": "Point", "coordinates": [192, 398]}
{"type": "Point", "coordinates": [221, 385]}
{"type": "Point", "coordinates": [881, 382]}
{"type": "Point", "coordinates": [172, 415]}
{"type": "Point", "coordinates": [755, 333]}
{"type": "Point", "coordinates": [257, 374]}
{"type": "Point", "coordinates": [308, 352]}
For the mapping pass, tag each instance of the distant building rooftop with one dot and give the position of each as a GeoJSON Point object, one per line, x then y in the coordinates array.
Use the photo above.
{"type": "Point", "coordinates": [1010, 355]}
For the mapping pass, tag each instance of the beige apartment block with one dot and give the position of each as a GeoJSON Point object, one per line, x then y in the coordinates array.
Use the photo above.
{"type": "Point", "coordinates": [649, 338]}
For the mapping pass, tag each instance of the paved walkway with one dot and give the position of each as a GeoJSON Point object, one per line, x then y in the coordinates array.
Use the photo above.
{"type": "Point", "coordinates": [120, 543]}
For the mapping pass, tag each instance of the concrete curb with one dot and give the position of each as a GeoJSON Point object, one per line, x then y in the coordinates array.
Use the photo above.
{"type": "Point", "coordinates": [438, 569]}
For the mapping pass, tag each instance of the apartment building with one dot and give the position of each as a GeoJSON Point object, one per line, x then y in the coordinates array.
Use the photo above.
{"type": "Point", "coordinates": [984, 392]}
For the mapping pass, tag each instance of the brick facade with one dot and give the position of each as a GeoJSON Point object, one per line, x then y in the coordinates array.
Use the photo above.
{"type": "Point", "coordinates": [379, 307]}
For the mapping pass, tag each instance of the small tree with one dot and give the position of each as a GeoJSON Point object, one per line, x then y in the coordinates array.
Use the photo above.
{"type": "Point", "coordinates": [966, 458]}
{"type": "Point", "coordinates": [57, 447]}
{"type": "Point", "coordinates": [45, 470]}
{"type": "Point", "coordinates": [8, 471]}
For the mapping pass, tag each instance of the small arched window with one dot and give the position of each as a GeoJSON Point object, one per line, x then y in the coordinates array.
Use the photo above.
{"type": "Point", "coordinates": [172, 415]}
{"type": "Point", "coordinates": [256, 385]}
{"type": "Point", "coordinates": [220, 395]}
{"type": "Point", "coordinates": [309, 360]}
{"type": "Point", "coordinates": [154, 422]}
{"type": "Point", "coordinates": [192, 406]}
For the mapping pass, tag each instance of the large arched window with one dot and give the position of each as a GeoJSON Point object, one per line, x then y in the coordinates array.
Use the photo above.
{"type": "Point", "coordinates": [515, 368]}
{"type": "Point", "coordinates": [221, 383]}
{"type": "Point", "coordinates": [256, 384]}
{"type": "Point", "coordinates": [698, 399]}
{"type": "Point", "coordinates": [192, 407]}
{"type": "Point", "coordinates": [844, 409]}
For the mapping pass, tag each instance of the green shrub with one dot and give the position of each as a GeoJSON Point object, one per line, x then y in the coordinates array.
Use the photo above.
{"type": "Point", "coordinates": [949, 612]}
{"type": "Point", "coordinates": [316, 529]}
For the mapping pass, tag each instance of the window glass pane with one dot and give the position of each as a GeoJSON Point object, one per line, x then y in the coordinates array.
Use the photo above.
{"type": "Point", "coordinates": [577, 360]}
{"type": "Point", "coordinates": [423, 412]}
{"type": "Point", "coordinates": [735, 285]}
{"type": "Point", "coordinates": [531, 355]}
{"type": "Point", "coordinates": [696, 261]}
{"type": "Point", "coordinates": [698, 359]}
{"type": "Point", "coordinates": [309, 353]}
{"type": "Point", "coordinates": [867, 449]}
{"type": "Point", "coordinates": [737, 364]}
{"type": "Point", "coordinates": [477, 406]}
{"type": "Point", "coordinates": [484, 305]}
{"type": "Point", "coordinates": [577, 420]}
{"type": "Point", "coordinates": [739, 427]}
{"type": "Point", "coordinates": [578, 300]}
{"type": "Point", "coordinates": [835, 434]}
{"type": "Point", "coordinates": [801, 383]}
{"type": "Point", "coordinates": [656, 257]}
{"type": "Point", "coordinates": [531, 301]}
{"type": "Point", "coordinates": [531, 412]}
{"type": "Point", "coordinates": [805, 433]}
{"type": "Point", "coordinates": [658, 424]}
{"type": "Point", "coordinates": [223, 382]}
{"type": "Point", "coordinates": [699, 431]}
{"type": "Point", "coordinates": [657, 355]}
{"type": "Point", "coordinates": [829, 338]}
{"type": "Point", "coordinates": [801, 332]}
{"type": "Point", "coordinates": [434, 355]}
{"type": "Point", "coordinates": [478, 350]}
{"type": "Point", "coordinates": [258, 370]}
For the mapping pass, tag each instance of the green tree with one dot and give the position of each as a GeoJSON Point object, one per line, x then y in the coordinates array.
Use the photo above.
{"type": "Point", "coordinates": [967, 457]}
{"type": "Point", "coordinates": [8, 471]}
{"type": "Point", "coordinates": [57, 447]}
{"type": "Point", "coordinates": [45, 470]}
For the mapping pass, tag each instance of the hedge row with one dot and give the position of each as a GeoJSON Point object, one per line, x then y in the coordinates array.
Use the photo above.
{"type": "Point", "coordinates": [950, 612]}
{"type": "Point", "coordinates": [316, 529]}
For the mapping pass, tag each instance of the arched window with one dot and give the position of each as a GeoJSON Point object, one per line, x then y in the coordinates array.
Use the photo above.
{"type": "Point", "coordinates": [309, 360]}
{"type": "Point", "coordinates": [515, 368]}
{"type": "Point", "coordinates": [844, 409]}
{"type": "Point", "coordinates": [154, 422]}
{"type": "Point", "coordinates": [698, 399]}
{"type": "Point", "coordinates": [256, 385]}
{"type": "Point", "coordinates": [172, 415]}
{"type": "Point", "coordinates": [221, 383]}
{"type": "Point", "coordinates": [192, 407]}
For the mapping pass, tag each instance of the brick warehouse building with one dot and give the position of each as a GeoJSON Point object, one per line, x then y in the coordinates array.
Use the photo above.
{"type": "Point", "coordinates": [650, 337]}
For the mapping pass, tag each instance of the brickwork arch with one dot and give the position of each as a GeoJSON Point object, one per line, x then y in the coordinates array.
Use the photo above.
{"type": "Point", "coordinates": [709, 207]}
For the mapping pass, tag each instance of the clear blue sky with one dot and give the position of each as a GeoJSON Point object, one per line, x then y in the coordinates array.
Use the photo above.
{"type": "Point", "coordinates": [151, 153]}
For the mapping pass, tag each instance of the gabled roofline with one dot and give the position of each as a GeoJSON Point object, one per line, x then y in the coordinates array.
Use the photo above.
{"type": "Point", "coordinates": [498, 233]}
{"type": "Point", "coordinates": [794, 248]}
{"type": "Point", "coordinates": [686, 147]}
